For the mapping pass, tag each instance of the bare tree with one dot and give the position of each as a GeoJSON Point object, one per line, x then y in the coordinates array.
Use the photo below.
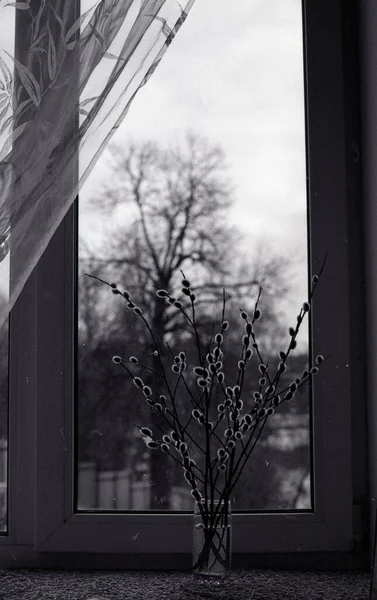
{"type": "Point", "coordinates": [175, 205]}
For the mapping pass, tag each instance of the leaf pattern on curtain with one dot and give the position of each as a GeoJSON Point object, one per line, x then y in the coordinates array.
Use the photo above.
{"type": "Point", "coordinates": [63, 93]}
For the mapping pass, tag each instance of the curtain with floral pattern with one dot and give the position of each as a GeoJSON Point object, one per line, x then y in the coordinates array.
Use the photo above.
{"type": "Point", "coordinates": [67, 79]}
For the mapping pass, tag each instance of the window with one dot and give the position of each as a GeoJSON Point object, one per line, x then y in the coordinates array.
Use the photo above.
{"type": "Point", "coordinates": [203, 154]}
{"type": "Point", "coordinates": [42, 456]}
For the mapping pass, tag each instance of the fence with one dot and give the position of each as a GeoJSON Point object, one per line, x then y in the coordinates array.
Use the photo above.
{"type": "Point", "coordinates": [119, 490]}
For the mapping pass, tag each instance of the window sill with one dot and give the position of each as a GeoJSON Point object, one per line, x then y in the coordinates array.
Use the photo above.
{"type": "Point", "coordinates": [243, 585]}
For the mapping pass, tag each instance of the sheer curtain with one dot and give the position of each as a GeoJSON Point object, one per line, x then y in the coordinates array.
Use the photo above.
{"type": "Point", "coordinates": [63, 92]}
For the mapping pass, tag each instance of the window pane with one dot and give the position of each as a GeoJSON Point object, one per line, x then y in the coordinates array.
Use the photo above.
{"type": "Point", "coordinates": [7, 36]}
{"type": "Point", "coordinates": [3, 425]}
{"type": "Point", "coordinates": [206, 175]}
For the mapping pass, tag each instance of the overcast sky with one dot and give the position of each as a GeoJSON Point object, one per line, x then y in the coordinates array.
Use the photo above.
{"type": "Point", "coordinates": [235, 74]}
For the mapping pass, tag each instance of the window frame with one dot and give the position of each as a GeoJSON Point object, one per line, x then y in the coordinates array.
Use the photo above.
{"type": "Point", "coordinates": [44, 530]}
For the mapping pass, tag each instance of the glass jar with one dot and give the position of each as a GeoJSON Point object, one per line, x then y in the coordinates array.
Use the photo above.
{"type": "Point", "coordinates": [212, 540]}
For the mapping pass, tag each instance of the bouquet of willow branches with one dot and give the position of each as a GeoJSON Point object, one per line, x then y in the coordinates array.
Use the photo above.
{"type": "Point", "coordinates": [229, 431]}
